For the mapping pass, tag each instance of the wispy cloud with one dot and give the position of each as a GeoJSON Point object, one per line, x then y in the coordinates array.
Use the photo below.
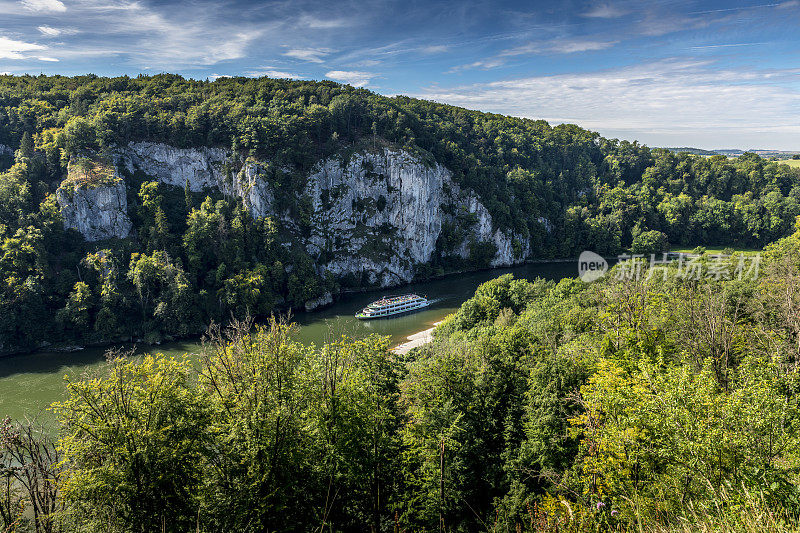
{"type": "Point", "coordinates": [556, 46]}
{"type": "Point", "coordinates": [56, 32]}
{"type": "Point", "coordinates": [738, 8]}
{"type": "Point", "coordinates": [273, 72]}
{"type": "Point", "coordinates": [605, 11]}
{"type": "Point", "coordinates": [11, 49]}
{"type": "Point", "coordinates": [366, 63]}
{"type": "Point", "coordinates": [667, 100]}
{"type": "Point", "coordinates": [352, 77]}
{"type": "Point", "coordinates": [53, 6]}
{"type": "Point", "coordinates": [434, 49]}
{"type": "Point", "coordinates": [164, 38]}
{"type": "Point", "coordinates": [728, 45]}
{"type": "Point", "coordinates": [571, 47]}
{"type": "Point", "coordinates": [313, 55]}
{"type": "Point", "coordinates": [317, 23]}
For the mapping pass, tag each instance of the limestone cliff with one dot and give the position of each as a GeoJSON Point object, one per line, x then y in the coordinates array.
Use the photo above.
{"type": "Point", "coordinates": [374, 215]}
{"type": "Point", "coordinates": [380, 213]}
{"type": "Point", "coordinates": [201, 168]}
{"type": "Point", "coordinates": [93, 201]}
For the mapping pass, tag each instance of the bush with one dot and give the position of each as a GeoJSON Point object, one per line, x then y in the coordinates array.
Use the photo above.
{"type": "Point", "coordinates": [650, 242]}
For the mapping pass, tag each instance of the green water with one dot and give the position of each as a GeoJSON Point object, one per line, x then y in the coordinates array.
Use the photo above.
{"type": "Point", "coordinates": [31, 382]}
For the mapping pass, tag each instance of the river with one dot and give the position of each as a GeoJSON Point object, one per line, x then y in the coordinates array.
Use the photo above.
{"type": "Point", "coordinates": [31, 382]}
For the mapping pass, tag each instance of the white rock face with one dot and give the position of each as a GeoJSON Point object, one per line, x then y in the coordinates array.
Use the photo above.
{"type": "Point", "coordinates": [484, 232]}
{"type": "Point", "coordinates": [251, 185]}
{"type": "Point", "coordinates": [374, 216]}
{"type": "Point", "coordinates": [201, 167]}
{"type": "Point", "coordinates": [378, 214]}
{"type": "Point", "coordinates": [98, 212]}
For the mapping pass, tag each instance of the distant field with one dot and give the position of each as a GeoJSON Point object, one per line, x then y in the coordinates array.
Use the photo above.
{"type": "Point", "coordinates": [791, 162]}
{"type": "Point", "coordinates": [717, 250]}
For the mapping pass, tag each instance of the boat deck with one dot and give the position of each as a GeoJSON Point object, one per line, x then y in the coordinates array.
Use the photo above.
{"type": "Point", "coordinates": [393, 306]}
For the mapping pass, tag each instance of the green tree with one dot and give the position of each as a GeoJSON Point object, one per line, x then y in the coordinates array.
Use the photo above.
{"type": "Point", "coordinates": [164, 293]}
{"type": "Point", "coordinates": [134, 447]}
{"type": "Point", "coordinates": [76, 312]}
{"type": "Point", "coordinates": [650, 242]}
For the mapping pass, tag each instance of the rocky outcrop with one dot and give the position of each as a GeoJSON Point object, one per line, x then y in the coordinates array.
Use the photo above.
{"type": "Point", "coordinates": [98, 210]}
{"type": "Point", "coordinates": [251, 185]}
{"type": "Point", "coordinates": [324, 300]}
{"type": "Point", "coordinates": [375, 215]}
{"type": "Point", "coordinates": [201, 168]}
{"type": "Point", "coordinates": [379, 214]}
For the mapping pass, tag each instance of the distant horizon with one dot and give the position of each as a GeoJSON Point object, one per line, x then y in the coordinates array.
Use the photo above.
{"type": "Point", "coordinates": [729, 149]}
{"type": "Point", "coordinates": [664, 73]}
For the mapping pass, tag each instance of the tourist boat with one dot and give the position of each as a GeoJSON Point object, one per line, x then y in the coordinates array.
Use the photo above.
{"type": "Point", "coordinates": [396, 305]}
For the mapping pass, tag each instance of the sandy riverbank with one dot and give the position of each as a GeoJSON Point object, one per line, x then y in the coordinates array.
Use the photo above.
{"type": "Point", "coordinates": [415, 340]}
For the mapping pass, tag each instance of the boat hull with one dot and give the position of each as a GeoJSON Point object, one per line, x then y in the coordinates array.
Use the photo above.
{"type": "Point", "coordinates": [362, 316]}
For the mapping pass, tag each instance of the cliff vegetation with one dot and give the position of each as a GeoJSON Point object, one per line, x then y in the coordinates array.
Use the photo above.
{"type": "Point", "coordinates": [246, 196]}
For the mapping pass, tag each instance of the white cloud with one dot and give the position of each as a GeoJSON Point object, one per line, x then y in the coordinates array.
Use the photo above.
{"type": "Point", "coordinates": [571, 47]}
{"type": "Point", "coordinates": [55, 32]}
{"type": "Point", "coordinates": [48, 59]}
{"type": "Point", "coordinates": [434, 49]}
{"type": "Point", "coordinates": [272, 72]}
{"type": "Point", "coordinates": [11, 49]}
{"type": "Point", "coordinates": [314, 55]}
{"type": "Point", "coordinates": [166, 37]}
{"type": "Point", "coordinates": [662, 103]}
{"type": "Point", "coordinates": [49, 31]}
{"type": "Point", "coordinates": [366, 63]}
{"type": "Point", "coordinates": [44, 5]}
{"type": "Point", "coordinates": [556, 46]}
{"type": "Point", "coordinates": [605, 11]}
{"type": "Point", "coordinates": [353, 77]}
{"type": "Point", "coordinates": [316, 23]}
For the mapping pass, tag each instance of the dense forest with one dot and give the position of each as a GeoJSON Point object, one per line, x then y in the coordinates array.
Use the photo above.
{"type": "Point", "coordinates": [655, 402]}
{"type": "Point", "coordinates": [194, 258]}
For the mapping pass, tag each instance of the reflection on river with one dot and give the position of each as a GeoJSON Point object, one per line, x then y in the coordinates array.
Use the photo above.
{"type": "Point", "coordinates": [29, 383]}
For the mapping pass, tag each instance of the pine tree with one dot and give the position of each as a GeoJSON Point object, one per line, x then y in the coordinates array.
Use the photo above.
{"type": "Point", "coordinates": [25, 147]}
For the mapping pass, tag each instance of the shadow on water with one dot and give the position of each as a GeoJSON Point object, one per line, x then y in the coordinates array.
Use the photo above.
{"type": "Point", "coordinates": [45, 362]}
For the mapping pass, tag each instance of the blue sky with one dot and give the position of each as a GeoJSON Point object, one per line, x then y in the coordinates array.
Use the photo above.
{"type": "Point", "coordinates": [672, 73]}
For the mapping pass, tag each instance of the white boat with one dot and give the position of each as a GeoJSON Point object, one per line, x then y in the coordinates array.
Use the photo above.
{"type": "Point", "coordinates": [396, 305]}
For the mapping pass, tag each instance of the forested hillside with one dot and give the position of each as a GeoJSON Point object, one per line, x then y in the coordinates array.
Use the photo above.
{"type": "Point", "coordinates": [660, 402]}
{"type": "Point", "coordinates": [184, 257]}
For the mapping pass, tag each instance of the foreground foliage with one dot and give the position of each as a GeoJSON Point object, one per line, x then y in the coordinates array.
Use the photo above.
{"type": "Point", "coordinates": [658, 403]}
